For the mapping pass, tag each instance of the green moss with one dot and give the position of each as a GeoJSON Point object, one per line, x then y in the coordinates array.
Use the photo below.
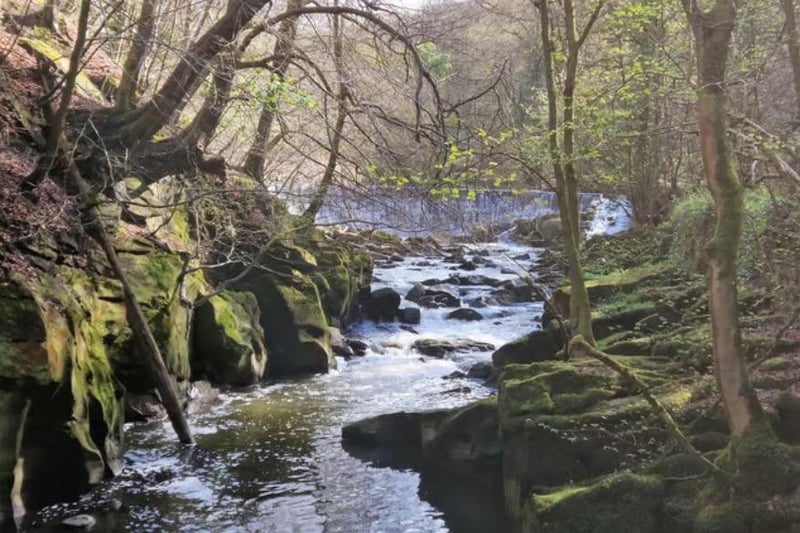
{"type": "Point", "coordinates": [295, 324]}
{"type": "Point", "coordinates": [760, 462]}
{"type": "Point", "coordinates": [776, 364]}
{"type": "Point", "coordinates": [614, 283]}
{"type": "Point", "coordinates": [689, 344]}
{"type": "Point", "coordinates": [43, 45]}
{"type": "Point", "coordinates": [615, 504]}
{"type": "Point", "coordinates": [228, 340]}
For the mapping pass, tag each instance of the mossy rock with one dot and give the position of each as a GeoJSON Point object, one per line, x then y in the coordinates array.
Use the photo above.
{"type": "Point", "coordinates": [690, 345]}
{"type": "Point", "coordinates": [341, 274]}
{"type": "Point", "coordinates": [154, 279]}
{"type": "Point", "coordinates": [294, 323]}
{"type": "Point", "coordinates": [23, 335]}
{"type": "Point", "coordinates": [71, 385]}
{"type": "Point", "coordinates": [623, 281]}
{"type": "Point", "coordinates": [46, 47]}
{"type": "Point", "coordinates": [540, 345]}
{"type": "Point", "coordinates": [564, 423]}
{"type": "Point", "coordinates": [554, 388]}
{"type": "Point", "coordinates": [228, 340]}
{"type": "Point", "coordinates": [466, 442]}
{"type": "Point", "coordinates": [623, 503]}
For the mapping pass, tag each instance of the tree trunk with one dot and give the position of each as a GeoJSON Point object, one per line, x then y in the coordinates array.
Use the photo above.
{"type": "Point", "coordinates": [712, 30]}
{"type": "Point", "coordinates": [257, 153]}
{"type": "Point", "coordinates": [566, 186]}
{"type": "Point", "coordinates": [126, 92]}
{"type": "Point", "coordinates": [188, 75]}
{"type": "Point", "coordinates": [205, 122]}
{"type": "Point", "coordinates": [55, 130]}
{"type": "Point", "coordinates": [336, 135]}
{"type": "Point", "coordinates": [793, 44]}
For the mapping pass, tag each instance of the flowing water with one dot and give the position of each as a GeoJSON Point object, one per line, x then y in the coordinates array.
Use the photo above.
{"type": "Point", "coordinates": [270, 458]}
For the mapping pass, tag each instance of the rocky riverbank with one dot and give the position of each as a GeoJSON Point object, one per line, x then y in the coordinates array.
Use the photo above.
{"type": "Point", "coordinates": [71, 373]}
{"type": "Point", "coordinates": [574, 445]}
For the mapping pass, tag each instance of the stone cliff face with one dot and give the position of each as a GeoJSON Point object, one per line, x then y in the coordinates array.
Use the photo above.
{"type": "Point", "coordinates": [69, 364]}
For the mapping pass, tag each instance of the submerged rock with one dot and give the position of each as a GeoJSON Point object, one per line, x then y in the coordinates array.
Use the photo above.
{"type": "Point", "coordinates": [465, 313]}
{"type": "Point", "coordinates": [80, 521]}
{"type": "Point", "coordinates": [409, 315]}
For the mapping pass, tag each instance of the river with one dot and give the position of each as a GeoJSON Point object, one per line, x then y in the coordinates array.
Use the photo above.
{"type": "Point", "coordinates": [270, 458]}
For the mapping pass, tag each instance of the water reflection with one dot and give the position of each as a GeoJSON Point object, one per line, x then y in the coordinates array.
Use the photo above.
{"type": "Point", "coordinates": [271, 459]}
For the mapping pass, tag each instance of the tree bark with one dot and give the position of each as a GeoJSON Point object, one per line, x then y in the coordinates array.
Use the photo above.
{"type": "Point", "coordinates": [564, 173]}
{"type": "Point", "coordinates": [126, 92]}
{"type": "Point", "coordinates": [188, 74]}
{"type": "Point", "coordinates": [793, 44]}
{"type": "Point", "coordinates": [53, 147]}
{"type": "Point", "coordinates": [204, 125]}
{"type": "Point", "coordinates": [284, 42]}
{"type": "Point", "coordinates": [712, 30]}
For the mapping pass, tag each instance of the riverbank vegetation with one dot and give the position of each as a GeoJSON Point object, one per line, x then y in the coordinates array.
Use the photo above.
{"type": "Point", "coordinates": [170, 173]}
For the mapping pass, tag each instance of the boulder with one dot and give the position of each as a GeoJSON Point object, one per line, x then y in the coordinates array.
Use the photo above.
{"type": "Point", "coordinates": [468, 264]}
{"type": "Point", "coordinates": [294, 323]}
{"type": "Point", "coordinates": [394, 429]}
{"type": "Point", "coordinates": [466, 441]}
{"type": "Point", "coordinates": [416, 292]}
{"type": "Point", "coordinates": [539, 345]}
{"type": "Point", "coordinates": [463, 441]}
{"type": "Point", "coordinates": [339, 344]}
{"type": "Point", "coordinates": [143, 408]}
{"type": "Point", "coordinates": [359, 347]}
{"type": "Point", "coordinates": [624, 503]}
{"type": "Point", "coordinates": [435, 298]}
{"type": "Point", "coordinates": [550, 228]}
{"type": "Point", "coordinates": [513, 291]}
{"type": "Point", "coordinates": [228, 344]}
{"type": "Point", "coordinates": [480, 371]}
{"type": "Point", "coordinates": [409, 315]}
{"type": "Point", "coordinates": [440, 347]}
{"type": "Point", "coordinates": [479, 302]}
{"type": "Point", "coordinates": [381, 305]}
{"type": "Point", "coordinates": [474, 279]}
{"type": "Point", "coordinates": [464, 313]}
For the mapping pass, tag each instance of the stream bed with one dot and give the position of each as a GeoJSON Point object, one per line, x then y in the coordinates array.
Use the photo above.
{"type": "Point", "coordinates": [270, 458]}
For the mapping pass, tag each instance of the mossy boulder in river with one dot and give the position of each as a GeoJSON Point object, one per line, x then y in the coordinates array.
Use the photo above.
{"type": "Point", "coordinates": [67, 360]}
{"type": "Point", "coordinates": [294, 322]}
{"type": "Point", "coordinates": [228, 340]}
